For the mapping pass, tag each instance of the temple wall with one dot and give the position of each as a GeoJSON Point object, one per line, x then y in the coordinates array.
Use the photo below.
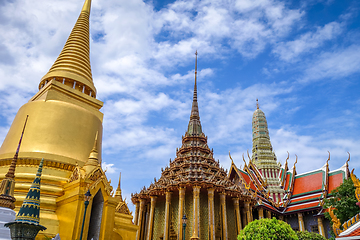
{"type": "Point", "coordinates": [310, 221]}
{"type": "Point", "coordinates": [189, 214]}
{"type": "Point", "coordinates": [217, 215]}
{"type": "Point", "coordinates": [204, 216]}
{"type": "Point", "coordinates": [293, 221]}
{"type": "Point", "coordinates": [231, 222]}
{"type": "Point", "coordinates": [174, 213]}
{"type": "Point", "coordinates": [159, 219]}
{"type": "Point", "coordinates": [327, 227]}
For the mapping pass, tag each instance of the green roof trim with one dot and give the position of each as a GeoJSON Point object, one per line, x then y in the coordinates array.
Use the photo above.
{"type": "Point", "coordinates": [306, 193]}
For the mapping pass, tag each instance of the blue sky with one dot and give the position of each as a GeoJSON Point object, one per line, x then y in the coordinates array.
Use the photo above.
{"type": "Point", "coordinates": [299, 58]}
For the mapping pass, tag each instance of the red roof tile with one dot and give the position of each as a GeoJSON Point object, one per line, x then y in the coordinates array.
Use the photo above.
{"type": "Point", "coordinates": [306, 198]}
{"type": "Point", "coordinates": [287, 181]}
{"type": "Point", "coordinates": [308, 183]}
{"type": "Point", "coordinates": [335, 180]}
{"type": "Point", "coordinates": [299, 207]}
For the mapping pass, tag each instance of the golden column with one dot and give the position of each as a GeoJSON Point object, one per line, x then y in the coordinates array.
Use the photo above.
{"type": "Point", "coordinates": [237, 213]}
{"type": "Point", "coordinates": [167, 216]}
{"type": "Point", "coordinates": [223, 208]}
{"type": "Point", "coordinates": [151, 219]}
{"type": "Point", "coordinates": [261, 213]}
{"type": "Point", "coordinates": [268, 214]}
{"type": "Point", "coordinates": [181, 211]}
{"type": "Point", "coordinates": [301, 222]}
{"type": "Point", "coordinates": [321, 227]}
{"type": "Point", "coordinates": [137, 204]}
{"type": "Point", "coordinates": [247, 210]}
{"type": "Point", "coordinates": [211, 213]}
{"type": "Point", "coordinates": [243, 216]}
{"type": "Point", "coordinates": [140, 218]}
{"type": "Point", "coordinates": [196, 197]}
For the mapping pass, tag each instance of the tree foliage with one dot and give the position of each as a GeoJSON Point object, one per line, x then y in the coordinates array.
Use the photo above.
{"type": "Point", "coordinates": [309, 236]}
{"type": "Point", "coordinates": [344, 201]}
{"type": "Point", "coordinates": [267, 229]}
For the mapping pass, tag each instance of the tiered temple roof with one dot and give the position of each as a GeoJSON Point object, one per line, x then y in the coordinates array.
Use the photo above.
{"type": "Point", "coordinates": [194, 163]}
{"type": "Point", "coordinates": [303, 192]}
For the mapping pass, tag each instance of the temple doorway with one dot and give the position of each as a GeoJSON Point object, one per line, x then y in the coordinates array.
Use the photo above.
{"type": "Point", "coordinates": [96, 216]}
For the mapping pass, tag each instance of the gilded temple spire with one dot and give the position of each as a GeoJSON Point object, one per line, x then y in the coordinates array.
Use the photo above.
{"type": "Point", "coordinates": [73, 63]}
{"type": "Point", "coordinates": [194, 124]}
{"type": "Point", "coordinates": [195, 107]}
{"type": "Point", "coordinates": [8, 183]}
{"type": "Point", "coordinates": [118, 190]}
{"type": "Point", "coordinates": [93, 160]}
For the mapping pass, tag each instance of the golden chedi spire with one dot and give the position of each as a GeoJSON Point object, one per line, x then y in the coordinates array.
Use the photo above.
{"type": "Point", "coordinates": [8, 183]}
{"type": "Point", "coordinates": [73, 63]}
{"type": "Point", "coordinates": [93, 160]}
{"type": "Point", "coordinates": [66, 110]}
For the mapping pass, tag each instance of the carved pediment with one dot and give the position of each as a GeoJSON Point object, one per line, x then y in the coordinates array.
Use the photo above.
{"type": "Point", "coordinates": [95, 174]}
{"type": "Point", "coordinates": [76, 174]}
{"type": "Point", "coordinates": [122, 208]}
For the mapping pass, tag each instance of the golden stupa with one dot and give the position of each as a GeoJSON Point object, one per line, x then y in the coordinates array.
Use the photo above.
{"type": "Point", "coordinates": [65, 128]}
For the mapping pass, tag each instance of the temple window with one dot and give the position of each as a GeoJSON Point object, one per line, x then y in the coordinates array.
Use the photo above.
{"type": "Point", "coordinates": [315, 228]}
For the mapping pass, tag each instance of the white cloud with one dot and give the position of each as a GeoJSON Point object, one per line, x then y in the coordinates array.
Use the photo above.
{"type": "Point", "coordinates": [290, 50]}
{"type": "Point", "coordinates": [109, 167]}
{"type": "Point", "coordinates": [333, 65]}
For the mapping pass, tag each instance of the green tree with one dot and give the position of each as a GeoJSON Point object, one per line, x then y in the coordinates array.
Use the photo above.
{"type": "Point", "coordinates": [344, 201]}
{"type": "Point", "coordinates": [309, 236]}
{"type": "Point", "coordinates": [267, 229]}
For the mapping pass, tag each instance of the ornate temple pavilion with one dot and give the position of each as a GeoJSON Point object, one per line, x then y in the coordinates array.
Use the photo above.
{"type": "Point", "coordinates": [65, 129]}
{"type": "Point", "coordinates": [282, 192]}
{"type": "Point", "coordinates": [196, 186]}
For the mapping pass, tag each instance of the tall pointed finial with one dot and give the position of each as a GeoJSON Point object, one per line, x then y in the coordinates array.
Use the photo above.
{"type": "Point", "coordinates": [73, 63]}
{"type": "Point", "coordinates": [118, 190]}
{"type": "Point", "coordinates": [232, 161]}
{"type": "Point", "coordinates": [119, 185]}
{"type": "Point", "coordinates": [93, 160]}
{"type": "Point", "coordinates": [13, 162]}
{"type": "Point", "coordinates": [196, 53]}
{"type": "Point", "coordinates": [194, 127]}
{"type": "Point", "coordinates": [195, 88]}
{"type": "Point", "coordinates": [87, 6]}
{"type": "Point", "coordinates": [257, 103]}
{"type": "Point", "coordinates": [8, 183]}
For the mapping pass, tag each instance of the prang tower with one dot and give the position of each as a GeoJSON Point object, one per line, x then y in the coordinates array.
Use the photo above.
{"type": "Point", "coordinates": [263, 155]}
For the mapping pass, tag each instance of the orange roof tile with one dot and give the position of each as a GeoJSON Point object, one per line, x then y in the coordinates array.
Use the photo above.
{"type": "Point", "coordinates": [299, 207]}
{"type": "Point", "coordinates": [248, 180]}
{"type": "Point", "coordinates": [287, 181]}
{"type": "Point", "coordinates": [308, 183]}
{"type": "Point", "coordinates": [335, 180]}
{"type": "Point", "coordinates": [306, 198]}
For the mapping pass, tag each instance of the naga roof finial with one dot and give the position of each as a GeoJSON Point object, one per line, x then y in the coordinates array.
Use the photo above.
{"type": "Point", "coordinates": [232, 161]}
